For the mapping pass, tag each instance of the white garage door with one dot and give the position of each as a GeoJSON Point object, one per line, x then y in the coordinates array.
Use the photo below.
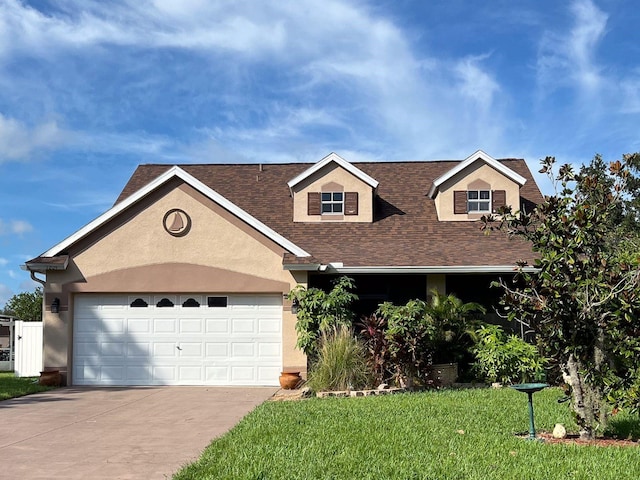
{"type": "Point", "coordinates": [177, 339]}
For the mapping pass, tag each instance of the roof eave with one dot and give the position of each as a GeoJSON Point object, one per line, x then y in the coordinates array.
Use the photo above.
{"type": "Point", "coordinates": [478, 155]}
{"type": "Point", "coordinates": [176, 171]}
{"type": "Point", "coordinates": [42, 267]}
{"type": "Point", "coordinates": [301, 267]}
{"type": "Point", "coordinates": [426, 269]}
{"type": "Point", "coordinates": [333, 157]}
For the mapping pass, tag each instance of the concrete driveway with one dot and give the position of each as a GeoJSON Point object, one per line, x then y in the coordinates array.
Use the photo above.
{"type": "Point", "coordinates": [116, 433]}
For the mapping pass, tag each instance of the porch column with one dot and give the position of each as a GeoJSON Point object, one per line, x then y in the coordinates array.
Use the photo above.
{"type": "Point", "coordinates": [437, 281]}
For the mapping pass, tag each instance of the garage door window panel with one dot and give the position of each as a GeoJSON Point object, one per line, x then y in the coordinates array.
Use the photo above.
{"type": "Point", "coordinates": [165, 303]}
{"type": "Point", "coordinates": [139, 303]}
{"type": "Point", "coordinates": [191, 303]}
{"type": "Point", "coordinates": [217, 302]}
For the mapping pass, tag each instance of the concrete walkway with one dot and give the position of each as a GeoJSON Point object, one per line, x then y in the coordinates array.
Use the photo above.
{"type": "Point", "coordinates": [116, 433]}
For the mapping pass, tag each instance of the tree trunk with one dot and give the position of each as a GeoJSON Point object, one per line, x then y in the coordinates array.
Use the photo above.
{"type": "Point", "coordinates": [586, 399]}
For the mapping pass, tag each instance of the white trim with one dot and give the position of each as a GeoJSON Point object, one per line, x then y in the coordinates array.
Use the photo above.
{"type": "Point", "coordinates": [303, 267]}
{"type": "Point", "coordinates": [479, 200]}
{"type": "Point", "coordinates": [176, 171]}
{"type": "Point", "coordinates": [334, 157]}
{"type": "Point", "coordinates": [430, 269]}
{"type": "Point", "coordinates": [332, 202]}
{"type": "Point", "coordinates": [479, 155]}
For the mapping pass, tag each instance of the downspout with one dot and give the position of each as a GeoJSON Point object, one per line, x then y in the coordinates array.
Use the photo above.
{"type": "Point", "coordinates": [36, 279]}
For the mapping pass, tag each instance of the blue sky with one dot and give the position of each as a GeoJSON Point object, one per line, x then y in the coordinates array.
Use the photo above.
{"type": "Point", "coordinates": [90, 89]}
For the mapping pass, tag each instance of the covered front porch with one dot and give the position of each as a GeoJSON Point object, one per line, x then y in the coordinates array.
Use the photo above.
{"type": "Point", "coordinates": [399, 288]}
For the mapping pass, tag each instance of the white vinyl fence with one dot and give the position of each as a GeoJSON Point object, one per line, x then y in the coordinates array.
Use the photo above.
{"type": "Point", "coordinates": [28, 348]}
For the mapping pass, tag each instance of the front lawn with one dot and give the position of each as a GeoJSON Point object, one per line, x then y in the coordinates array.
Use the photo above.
{"type": "Point", "coordinates": [450, 434]}
{"type": "Point", "coordinates": [12, 386]}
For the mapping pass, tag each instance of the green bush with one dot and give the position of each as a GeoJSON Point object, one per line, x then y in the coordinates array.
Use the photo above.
{"type": "Point", "coordinates": [320, 311]}
{"type": "Point", "coordinates": [342, 362]}
{"type": "Point", "coordinates": [418, 334]}
{"type": "Point", "coordinates": [506, 358]}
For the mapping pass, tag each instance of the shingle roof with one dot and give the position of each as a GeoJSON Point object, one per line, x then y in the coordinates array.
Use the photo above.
{"type": "Point", "coordinates": [405, 232]}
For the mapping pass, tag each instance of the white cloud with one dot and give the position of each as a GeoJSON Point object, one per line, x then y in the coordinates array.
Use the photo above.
{"type": "Point", "coordinates": [240, 27]}
{"type": "Point", "coordinates": [585, 37]}
{"type": "Point", "coordinates": [348, 76]}
{"type": "Point", "coordinates": [19, 141]}
{"type": "Point", "coordinates": [567, 58]}
{"type": "Point", "coordinates": [475, 83]}
{"type": "Point", "coordinates": [20, 226]}
{"type": "Point", "coordinates": [3, 262]}
{"type": "Point", "coordinates": [15, 227]}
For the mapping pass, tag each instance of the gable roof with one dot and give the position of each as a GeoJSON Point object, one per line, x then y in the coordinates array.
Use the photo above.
{"type": "Point", "coordinates": [154, 183]}
{"type": "Point", "coordinates": [474, 157]}
{"type": "Point", "coordinates": [335, 158]}
{"type": "Point", "coordinates": [405, 234]}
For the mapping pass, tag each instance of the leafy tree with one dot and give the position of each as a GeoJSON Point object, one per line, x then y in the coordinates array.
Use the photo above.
{"type": "Point", "coordinates": [584, 298]}
{"type": "Point", "coordinates": [319, 311]}
{"type": "Point", "coordinates": [25, 306]}
{"type": "Point", "coordinates": [630, 222]}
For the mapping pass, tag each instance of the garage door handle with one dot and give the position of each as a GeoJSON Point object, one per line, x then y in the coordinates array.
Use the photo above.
{"type": "Point", "coordinates": [178, 347]}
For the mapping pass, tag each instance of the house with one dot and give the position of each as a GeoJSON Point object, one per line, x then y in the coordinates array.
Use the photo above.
{"type": "Point", "coordinates": [183, 280]}
{"type": "Point", "coordinates": [5, 336]}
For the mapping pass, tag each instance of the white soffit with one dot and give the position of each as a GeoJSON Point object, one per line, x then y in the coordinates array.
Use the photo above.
{"type": "Point", "coordinates": [176, 171]}
{"type": "Point", "coordinates": [334, 157]}
{"type": "Point", "coordinates": [474, 157]}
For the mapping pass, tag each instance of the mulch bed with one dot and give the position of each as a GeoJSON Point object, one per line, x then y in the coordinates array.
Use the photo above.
{"type": "Point", "coordinates": [575, 440]}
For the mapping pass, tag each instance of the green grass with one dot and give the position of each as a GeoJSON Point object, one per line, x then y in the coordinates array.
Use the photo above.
{"type": "Point", "coordinates": [410, 436]}
{"type": "Point", "coordinates": [12, 386]}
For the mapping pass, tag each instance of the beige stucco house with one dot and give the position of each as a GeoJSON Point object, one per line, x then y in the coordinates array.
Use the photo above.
{"type": "Point", "coordinates": [184, 280]}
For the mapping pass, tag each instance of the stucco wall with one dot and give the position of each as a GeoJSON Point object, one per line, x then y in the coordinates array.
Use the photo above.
{"type": "Point", "coordinates": [463, 180]}
{"type": "Point", "coordinates": [333, 173]}
{"type": "Point", "coordinates": [134, 253]}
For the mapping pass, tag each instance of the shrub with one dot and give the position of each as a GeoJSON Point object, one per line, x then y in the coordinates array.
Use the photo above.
{"type": "Point", "coordinates": [506, 358]}
{"type": "Point", "coordinates": [342, 362]}
{"type": "Point", "coordinates": [320, 311]}
{"type": "Point", "coordinates": [409, 331]}
{"type": "Point", "coordinates": [419, 333]}
{"type": "Point", "coordinates": [372, 330]}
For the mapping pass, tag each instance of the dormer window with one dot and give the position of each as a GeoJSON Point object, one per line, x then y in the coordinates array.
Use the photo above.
{"type": "Point", "coordinates": [333, 190]}
{"type": "Point", "coordinates": [478, 201]}
{"type": "Point", "coordinates": [332, 203]}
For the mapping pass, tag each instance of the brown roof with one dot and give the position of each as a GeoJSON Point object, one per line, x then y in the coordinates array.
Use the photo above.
{"type": "Point", "coordinates": [405, 231]}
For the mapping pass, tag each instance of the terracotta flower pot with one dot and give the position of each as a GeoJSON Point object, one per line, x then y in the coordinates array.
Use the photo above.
{"type": "Point", "coordinates": [290, 380]}
{"type": "Point", "coordinates": [50, 378]}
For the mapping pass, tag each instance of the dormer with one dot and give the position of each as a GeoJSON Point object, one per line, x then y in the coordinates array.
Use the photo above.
{"type": "Point", "coordinates": [333, 190]}
{"type": "Point", "coordinates": [477, 186]}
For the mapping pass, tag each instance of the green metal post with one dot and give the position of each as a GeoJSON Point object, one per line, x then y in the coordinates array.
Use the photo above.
{"type": "Point", "coordinates": [532, 427]}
